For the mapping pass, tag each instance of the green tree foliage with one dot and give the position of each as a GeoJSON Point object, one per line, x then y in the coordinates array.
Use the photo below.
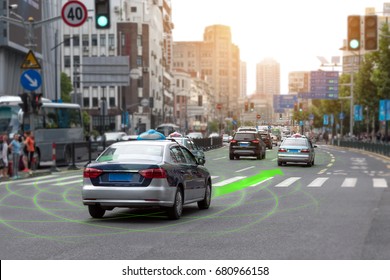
{"type": "Point", "coordinates": [66, 88]}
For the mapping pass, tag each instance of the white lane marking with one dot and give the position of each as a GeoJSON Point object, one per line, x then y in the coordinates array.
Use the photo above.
{"type": "Point", "coordinates": [379, 183]}
{"type": "Point", "coordinates": [287, 182]}
{"type": "Point", "coordinates": [318, 182]}
{"type": "Point", "coordinates": [265, 180]}
{"type": "Point", "coordinates": [214, 177]}
{"type": "Point", "coordinates": [219, 158]}
{"type": "Point", "coordinates": [349, 183]}
{"type": "Point", "coordinates": [250, 167]}
{"type": "Point", "coordinates": [228, 181]}
{"type": "Point", "coordinates": [56, 179]}
{"type": "Point", "coordinates": [68, 182]}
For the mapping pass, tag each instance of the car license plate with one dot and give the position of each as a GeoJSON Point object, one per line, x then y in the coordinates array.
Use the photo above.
{"type": "Point", "coordinates": [119, 177]}
{"type": "Point", "coordinates": [293, 151]}
{"type": "Point", "coordinates": [244, 144]}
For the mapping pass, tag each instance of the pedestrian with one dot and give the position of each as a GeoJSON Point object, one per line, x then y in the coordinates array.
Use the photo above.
{"type": "Point", "coordinates": [4, 155]}
{"type": "Point", "coordinates": [326, 137]}
{"type": "Point", "coordinates": [15, 148]}
{"type": "Point", "coordinates": [29, 143]}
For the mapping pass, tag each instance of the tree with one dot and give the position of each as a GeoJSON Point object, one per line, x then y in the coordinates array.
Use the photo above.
{"type": "Point", "coordinates": [66, 88]}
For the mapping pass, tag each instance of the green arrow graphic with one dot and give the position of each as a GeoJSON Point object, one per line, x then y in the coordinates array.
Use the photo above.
{"type": "Point", "coordinates": [247, 182]}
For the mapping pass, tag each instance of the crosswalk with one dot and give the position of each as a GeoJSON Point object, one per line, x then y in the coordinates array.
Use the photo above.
{"type": "Point", "coordinates": [319, 182]}
{"type": "Point", "coordinates": [218, 181]}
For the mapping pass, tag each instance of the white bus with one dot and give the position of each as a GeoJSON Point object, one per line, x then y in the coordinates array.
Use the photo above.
{"type": "Point", "coordinates": [59, 123]}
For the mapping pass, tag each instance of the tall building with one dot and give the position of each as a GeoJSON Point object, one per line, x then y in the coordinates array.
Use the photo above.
{"type": "Point", "coordinates": [141, 31]}
{"type": "Point", "coordinates": [16, 41]}
{"type": "Point", "coordinates": [243, 80]}
{"type": "Point", "coordinates": [217, 59]}
{"type": "Point", "coordinates": [299, 81]}
{"type": "Point", "coordinates": [268, 77]}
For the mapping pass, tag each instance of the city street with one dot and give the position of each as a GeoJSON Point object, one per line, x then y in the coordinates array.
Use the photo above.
{"type": "Point", "coordinates": [337, 209]}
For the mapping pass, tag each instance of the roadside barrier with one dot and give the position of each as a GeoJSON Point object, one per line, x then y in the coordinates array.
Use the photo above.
{"type": "Point", "coordinates": [54, 167]}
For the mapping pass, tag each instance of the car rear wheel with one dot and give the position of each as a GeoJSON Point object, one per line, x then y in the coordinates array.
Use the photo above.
{"type": "Point", "coordinates": [174, 213]}
{"type": "Point", "coordinates": [205, 203]}
{"type": "Point", "coordinates": [259, 156]}
{"type": "Point", "coordinates": [231, 157]}
{"type": "Point", "coordinates": [280, 163]}
{"type": "Point", "coordinates": [96, 211]}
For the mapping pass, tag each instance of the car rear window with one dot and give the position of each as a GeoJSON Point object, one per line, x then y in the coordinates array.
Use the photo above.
{"type": "Point", "coordinates": [132, 152]}
{"type": "Point", "coordinates": [294, 142]}
{"type": "Point", "coordinates": [244, 136]}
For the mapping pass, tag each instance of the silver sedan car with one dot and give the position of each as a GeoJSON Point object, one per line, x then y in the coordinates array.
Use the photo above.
{"type": "Point", "coordinates": [145, 173]}
{"type": "Point", "coordinates": [297, 149]}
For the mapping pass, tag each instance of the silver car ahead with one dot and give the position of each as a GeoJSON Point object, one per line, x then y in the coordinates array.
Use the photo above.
{"type": "Point", "coordinates": [296, 149]}
{"type": "Point", "coordinates": [145, 173]}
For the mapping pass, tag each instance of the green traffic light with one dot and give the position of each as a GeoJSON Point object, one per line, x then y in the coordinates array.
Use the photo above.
{"type": "Point", "coordinates": [354, 44]}
{"type": "Point", "coordinates": [102, 21]}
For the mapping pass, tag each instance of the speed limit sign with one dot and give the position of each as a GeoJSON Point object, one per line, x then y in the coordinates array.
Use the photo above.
{"type": "Point", "coordinates": [74, 13]}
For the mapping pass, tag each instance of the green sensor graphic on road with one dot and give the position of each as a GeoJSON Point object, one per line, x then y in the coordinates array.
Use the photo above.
{"type": "Point", "coordinates": [247, 182]}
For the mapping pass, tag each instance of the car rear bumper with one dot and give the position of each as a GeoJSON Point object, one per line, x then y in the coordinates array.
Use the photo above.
{"type": "Point", "coordinates": [294, 158]}
{"type": "Point", "coordinates": [128, 196]}
{"type": "Point", "coordinates": [245, 152]}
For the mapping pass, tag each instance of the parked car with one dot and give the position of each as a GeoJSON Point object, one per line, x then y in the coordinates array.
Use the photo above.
{"type": "Point", "coordinates": [190, 145]}
{"type": "Point", "coordinates": [274, 139]}
{"type": "Point", "coordinates": [296, 149]}
{"type": "Point", "coordinates": [247, 128]}
{"type": "Point", "coordinates": [266, 137]}
{"type": "Point", "coordinates": [226, 138]}
{"type": "Point", "coordinates": [195, 135]}
{"type": "Point", "coordinates": [145, 173]}
{"type": "Point", "coordinates": [246, 143]}
{"type": "Point", "coordinates": [214, 134]}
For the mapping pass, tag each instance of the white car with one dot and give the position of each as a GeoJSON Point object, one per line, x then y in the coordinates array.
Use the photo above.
{"type": "Point", "coordinates": [195, 135]}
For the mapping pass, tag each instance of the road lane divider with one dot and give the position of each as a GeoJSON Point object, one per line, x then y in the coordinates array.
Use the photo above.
{"type": "Point", "coordinates": [240, 184]}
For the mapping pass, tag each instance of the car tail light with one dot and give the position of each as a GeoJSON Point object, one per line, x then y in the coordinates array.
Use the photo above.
{"type": "Point", "coordinates": [305, 151]}
{"type": "Point", "coordinates": [255, 141]}
{"type": "Point", "coordinates": [92, 173]}
{"type": "Point", "coordinates": [154, 173]}
{"type": "Point", "coordinates": [233, 141]}
{"type": "Point", "coordinates": [282, 150]}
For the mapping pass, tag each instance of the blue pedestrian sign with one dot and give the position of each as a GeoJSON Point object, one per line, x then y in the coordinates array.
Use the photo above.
{"type": "Point", "coordinates": [31, 80]}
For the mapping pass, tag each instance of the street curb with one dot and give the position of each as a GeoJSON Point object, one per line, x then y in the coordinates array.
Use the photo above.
{"type": "Point", "coordinates": [33, 174]}
{"type": "Point", "coordinates": [362, 151]}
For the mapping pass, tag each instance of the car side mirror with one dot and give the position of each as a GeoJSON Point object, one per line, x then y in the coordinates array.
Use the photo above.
{"type": "Point", "coordinates": [200, 161]}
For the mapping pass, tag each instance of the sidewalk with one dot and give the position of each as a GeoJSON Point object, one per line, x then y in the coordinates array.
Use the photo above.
{"type": "Point", "coordinates": [41, 172]}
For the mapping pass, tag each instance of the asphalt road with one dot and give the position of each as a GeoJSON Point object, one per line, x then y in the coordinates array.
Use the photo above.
{"type": "Point", "coordinates": [337, 209]}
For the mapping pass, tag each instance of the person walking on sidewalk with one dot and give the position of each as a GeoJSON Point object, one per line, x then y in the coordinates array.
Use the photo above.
{"type": "Point", "coordinates": [4, 155]}
{"type": "Point", "coordinates": [15, 147]}
{"type": "Point", "coordinates": [30, 146]}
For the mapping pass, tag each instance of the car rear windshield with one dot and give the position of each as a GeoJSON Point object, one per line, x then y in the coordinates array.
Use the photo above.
{"type": "Point", "coordinates": [294, 142]}
{"type": "Point", "coordinates": [132, 153]}
{"type": "Point", "coordinates": [244, 136]}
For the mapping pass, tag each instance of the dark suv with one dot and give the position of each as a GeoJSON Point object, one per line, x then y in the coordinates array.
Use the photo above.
{"type": "Point", "coordinates": [266, 137]}
{"type": "Point", "coordinates": [246, 143]}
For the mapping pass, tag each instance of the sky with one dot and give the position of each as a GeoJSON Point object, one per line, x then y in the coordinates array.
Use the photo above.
{"type": "Point", "coordinates": [293, 32]}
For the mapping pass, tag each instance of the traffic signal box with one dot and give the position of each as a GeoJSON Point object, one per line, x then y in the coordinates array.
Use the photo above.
{"type": "Point", "coordinates": [102, 14]}
{"type": "Point", "coordinates": [36, 102]}
{"type": "Point", "coordinates": [25, 105]}
{"type": "Point", "coordinates": [252, 106]}
{"type": "Point", "coordinates": [353, 43]}
{"type": "Point", "coordinates": [246, 107]}
{"type": "Point", "coordinates": [370, 32]}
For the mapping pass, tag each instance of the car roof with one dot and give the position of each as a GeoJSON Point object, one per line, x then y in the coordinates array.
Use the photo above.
{"type": "Point", "coordinates": [143, 142]}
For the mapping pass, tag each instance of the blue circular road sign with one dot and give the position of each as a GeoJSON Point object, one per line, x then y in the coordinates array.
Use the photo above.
{"type": "Point", "coordinates": [31, 80]}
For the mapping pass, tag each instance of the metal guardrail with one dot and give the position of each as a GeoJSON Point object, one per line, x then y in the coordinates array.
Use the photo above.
{"type": "Point", "coordinates": [89, 150]}
{"type": "Point", "coordinates": [379, 148]}
{"type": "Point", "coordinates": [208, 143]}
